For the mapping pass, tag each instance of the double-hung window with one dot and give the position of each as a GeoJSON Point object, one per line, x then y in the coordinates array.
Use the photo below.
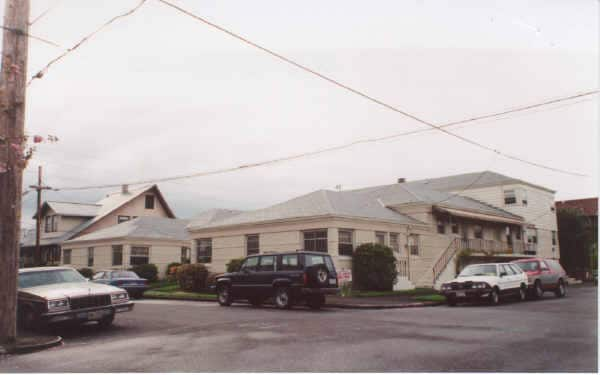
{"type": "Point", "coordinates": [380, 238]}
{"type": "Point", "coordinates": [139, 255]}
{"type": "Point", "coordinates": [117, 255]}
{"type": "Point", "coordinates": [345, 245]}
{"type": "Point", "coordinates": [413, 244]}
{"type": "Point", "coordinates": [315, 240]}
{"type": "Point", "coordinates": [252, 244]}
{"type": "Point", "coordinates": [90, 257]}
{"type": "Point", "coordinates": [186, 255]}
{"type": "Point", "coordinates": [510, 197]}
{"type": "Point", "coordinates": [67, 256]}
{"type": "Point", "coordinates": [204, 250]}
{"type": "Point", "coordinates": [394, 243]}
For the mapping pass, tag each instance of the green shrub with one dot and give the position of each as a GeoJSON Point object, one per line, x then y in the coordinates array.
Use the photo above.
{"type": "Point", "coordinates": [234, 264]}
{"type": "Point", "coordinates": [192, 277]}
{"type": "Point", "coordinates": [373, 268]}
{"type": "Point", "coordinates": [146, 271]}
{"type": "Point", "coordinates": [171, 271]}
{"type": "Point", "coordinates": [88, 273]}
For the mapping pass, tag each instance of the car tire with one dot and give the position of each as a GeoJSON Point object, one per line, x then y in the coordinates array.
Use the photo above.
{"type": "Point", "coordinates": [522, 293]}
{"type": "Point", "coordinates": [561, 290]}
{"type": "Point", "coordinates": [106, 321]}
{"type": "Point", "coordinates": [283, 298]}
{"type": "Point", "coordinates": [494, 298]}
{"type": "Point", "coordinates": [538, 291]}
{"type": "Point", "coordinates": [224, 295]}
{"type": "Point", "coordinates": [315, 302]}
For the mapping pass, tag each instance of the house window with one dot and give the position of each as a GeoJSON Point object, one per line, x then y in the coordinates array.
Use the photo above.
{"type": "Point", "coordinates": [345, 245]}
{"type": "Point", "coordinates": [67, 256]}
{"type": "Point", "coordinates": [316, 240]}
{"type": "Point", "coordinates": [524, 199]}
{"type": "Point", "coordinates": [51, 224]}
{"type": "Point", "coordinates": [149, 202]}
{"type": "Point", "coordinates": [441, 227]}
{"type": "Point", "coordinates": [139, 255]}
{"type": "Point", "coordinates": [478, 231]}
{"type": "Point", "coordinates": [186, 255]}
{"type": "Point", "coordinates": [380, 238]}
{"type": "Point", "coordinates": [117, 255]}
{"type": "Point", "coordinates": [394, 243]}
{"type": "Point", "coordinates": [122, 218]}
{"type": "Point", "coordinates": [553, 238]}
{"type": "Point", "coordinates": [510, 197]}
{"type": "Point", "coordinates": [454, 227]}
{"type": "Point", "coordinates": [90, 257]}
{"type": "Point", "coordinates": [252, 244]}
{"type": "Point", "coordinates": [204, 250]}
{"type": "Point", "coordinates": [413, 244]}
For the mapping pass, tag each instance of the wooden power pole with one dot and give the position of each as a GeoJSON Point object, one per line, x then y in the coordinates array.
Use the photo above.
{"type": "Point", "coordinates": [13, 82]}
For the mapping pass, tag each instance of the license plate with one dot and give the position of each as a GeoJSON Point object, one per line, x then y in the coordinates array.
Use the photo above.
{"type": "Point", "coordinates": [460, 294]}
{"type": "Point", "coordinates": [331, 281]}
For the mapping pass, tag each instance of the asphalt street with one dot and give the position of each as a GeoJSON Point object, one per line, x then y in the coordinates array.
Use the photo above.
{"type": "Point", "coordinates": [161, 336]}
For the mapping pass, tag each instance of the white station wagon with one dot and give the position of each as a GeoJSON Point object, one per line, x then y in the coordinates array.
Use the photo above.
{"type": "Point", "coordinates": [486, 282]}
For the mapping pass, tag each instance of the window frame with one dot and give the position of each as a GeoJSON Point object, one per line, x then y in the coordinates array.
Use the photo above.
{"type": "Point", "coordinates": [249, 239]}
{"type": "Point", "coordinates": [273, 265]}
{"type": "Point", "coordinates": [122, 218]}
{"type": "Point", "coordinates": [149, 203]}
{"type": "Point", "coordinates": [478, 234]}
{"type": "Point", "coordinates": [116, 249]}
{"type": "Point", "coordinates": [185, 255]}
{"type": "Point", "coordinates": [378, 234]}
{"type": "Point", "coordinates": [415, 239]}
{"type": "Point", "coordinates": [345, 248]}
{"type": "Point", "coordinates": [395, 245]}
{"type": "Point", "coordinates": [90, 257]}
{"type": "Point", "coordinates": [510, 194]}
{"type": "Point", "coordinates": [206, 256]}
{"type": "Point", "coordinates": [287, 267]}
{"type": "Point", "coordinates": [70, 257]}
{"type": "Point", "coordinates": [316, 240]}
{"type": "Point", "coordinates": [136, 256]}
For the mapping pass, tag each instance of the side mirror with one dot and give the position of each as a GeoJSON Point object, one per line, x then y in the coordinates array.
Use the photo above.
{"type": "Point", "coordinates": [502, 274]}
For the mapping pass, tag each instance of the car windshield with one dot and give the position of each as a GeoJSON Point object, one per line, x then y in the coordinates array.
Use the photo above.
{"type": "Point", "coordinates": [123, 275]}
{"type": "Point", "coordinates": [529, 266]}
{"type": "Point", "coordinates": [311, 260]}
{"type": "Point", "coordinates": [37, 278]}
{"type": "Point", "coordinates": [479, 270]}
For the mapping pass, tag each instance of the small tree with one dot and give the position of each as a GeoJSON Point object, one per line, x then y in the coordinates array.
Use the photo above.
{"type": "Point", "coordinates": [234, 265]}
{"type": "Point", "coordinates": [373, 267]}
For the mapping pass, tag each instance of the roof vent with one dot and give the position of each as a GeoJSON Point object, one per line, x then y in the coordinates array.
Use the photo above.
{"type": "Point", "coordinates": [124, 189]}
{"type": "Point", "coordinates": [401, 180]}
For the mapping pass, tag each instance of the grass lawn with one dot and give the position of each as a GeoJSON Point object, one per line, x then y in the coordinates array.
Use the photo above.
{"type": "Point", "coordinates": [410, 292]}
{"type": "Point", "coordinates": [170, 290]}
{"type": "Point", "coordinates": [430, 298]}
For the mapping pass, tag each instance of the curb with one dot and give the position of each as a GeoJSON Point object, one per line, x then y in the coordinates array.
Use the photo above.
{"type": "Point", "coordinates": [29, 348]}
{"type": "Point", "coordinates": [180, 299]}
{"type": "Point", "coordinates": [381, 307]}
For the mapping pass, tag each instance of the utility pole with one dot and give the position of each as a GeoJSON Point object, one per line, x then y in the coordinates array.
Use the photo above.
{"type": "Point", "coordinates": [38, 218]}
{"type": "Point", "coordinates": [13, 82]}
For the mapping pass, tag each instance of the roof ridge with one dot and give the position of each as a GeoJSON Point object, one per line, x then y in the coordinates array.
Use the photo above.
{"type": "Point", "coordinates": [87, 204]}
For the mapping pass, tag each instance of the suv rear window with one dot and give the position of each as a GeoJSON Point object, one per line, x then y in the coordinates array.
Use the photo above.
{"type": "Point", "coordinates": [311, 260]}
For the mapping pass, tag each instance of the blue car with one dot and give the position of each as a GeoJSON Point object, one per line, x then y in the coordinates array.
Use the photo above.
{"type": "Point", "coordinates": [128, 280]}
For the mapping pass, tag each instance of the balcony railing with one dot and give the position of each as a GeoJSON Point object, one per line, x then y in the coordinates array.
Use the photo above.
{"type": "Point", "coordinates": [496, 247]}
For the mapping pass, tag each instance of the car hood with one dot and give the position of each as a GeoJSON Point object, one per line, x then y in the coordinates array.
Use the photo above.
{"type": "Point", "coordinates": [477, 279]}
{"type": "Point", "coordinates": [64, 290]}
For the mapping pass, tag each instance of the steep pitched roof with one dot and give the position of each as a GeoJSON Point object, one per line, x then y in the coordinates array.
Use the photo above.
{"type": "Point", "coordinates": [588, 206]}
{"type": "Point", "coordinates": [70, 208]}
{"type": "Point", "coordinates": [151, 228]}
{"type": "Point", "coordinates": [473, 181]}
{"type": "Point", "coordinates": [318, 203]}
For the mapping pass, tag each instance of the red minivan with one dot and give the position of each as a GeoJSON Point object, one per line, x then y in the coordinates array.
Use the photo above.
{"type": "Point", "coordinates": [544, 275]}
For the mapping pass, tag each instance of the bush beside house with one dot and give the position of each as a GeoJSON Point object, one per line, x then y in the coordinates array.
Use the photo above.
{"type": "Point", "coordinates": [373, 268]}
{"type": "Point", "coordinates": [171, 272]}
{"type": "Point", "coordinates": [234, 265]}
{"type": "Point", "coordinates": [146, 271]}
{"type": "Point", "coordinates": [192, 277]}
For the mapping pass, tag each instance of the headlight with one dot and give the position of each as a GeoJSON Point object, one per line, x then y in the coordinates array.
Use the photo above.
{"type": "Point", "coordinates": [119, 296]}
{"type": "Point", "coordinates": [480, 285]}
{"type": "Point", "coordinates": [445, 286]}
{"type": "Point", "coordinates": [58, 304]}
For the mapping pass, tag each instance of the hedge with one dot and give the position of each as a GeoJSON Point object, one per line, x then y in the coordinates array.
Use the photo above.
{"type": "Point", "coordinates": [373, 268]}
{"type": "Point", "coordinates": [146, 271]}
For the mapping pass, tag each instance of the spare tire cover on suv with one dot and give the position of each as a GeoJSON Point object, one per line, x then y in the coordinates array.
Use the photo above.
{"type": "Point", "coordinates": [318, 275]}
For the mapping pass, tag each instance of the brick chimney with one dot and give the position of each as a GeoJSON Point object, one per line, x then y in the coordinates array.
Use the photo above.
{"type": "Point", "coordinates": [401, 180]}
{"type": "Point", "coordinates": [124, 189]}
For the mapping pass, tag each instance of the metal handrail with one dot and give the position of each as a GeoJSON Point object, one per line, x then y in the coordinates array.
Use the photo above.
{"type": "Point", "coordinates": [444, 259]}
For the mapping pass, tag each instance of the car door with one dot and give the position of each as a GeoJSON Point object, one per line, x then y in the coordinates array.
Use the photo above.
{"type": "Point", "coordinates": [546, 276]}
{"type": "Point", "coordinates": [242, 281]}
{"type": "Point", "coordinates": [515, 279]}
{"type": "Point", "coordinates": [265, 275]}
{"type": "Point", "coordinates": [504, 280]}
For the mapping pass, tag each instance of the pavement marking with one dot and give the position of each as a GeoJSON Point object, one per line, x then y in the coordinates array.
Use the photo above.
{"type": "Point", "coordinates": [175, 302]}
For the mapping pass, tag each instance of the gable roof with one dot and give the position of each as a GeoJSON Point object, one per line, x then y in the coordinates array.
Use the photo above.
{"type": "Point", "coordinates": [588, 206]}
{"type": "Point", "coordinates": [213, 215]}
{"type": "Point", "coordinates": [70, 208]}
{"type": "Point", "coordinates": [149, 228]}
{"type": "Point", "coordinates": [473, 181]}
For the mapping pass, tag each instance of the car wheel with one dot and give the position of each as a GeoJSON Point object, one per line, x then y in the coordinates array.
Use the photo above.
{"type": "Point", "coordinates": [224, 295]}
{"type": "Point", "coordinates": [522, 293]}
{"type": "Point", "coordinates": [538, 292]}
{"type": "Point", "coordinates": [494, 297]}
{"type": "Point", "coordinates": [315, 302]}
{"type": "Point", "coordinates": [283, 299]}
{"type": "Point", "coordinates": [561, 291]}
{"type": "Point", "coordinates": [106, 321]}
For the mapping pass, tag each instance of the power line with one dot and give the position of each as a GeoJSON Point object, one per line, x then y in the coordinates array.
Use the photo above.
{"type": "Point", "coordinates": [21, 32]}
{"type": "Point", "coordinates": [362, 94]}
{"type": "Point", "coordinates": [44, 13]}
{"type": "Point", "coordinates": [43, 71]}
{"type": "Point", "coordinates": [322, 150]}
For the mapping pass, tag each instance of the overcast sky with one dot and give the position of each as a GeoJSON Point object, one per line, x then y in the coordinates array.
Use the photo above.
{"type": "Point", "coordinates": [159, 94]}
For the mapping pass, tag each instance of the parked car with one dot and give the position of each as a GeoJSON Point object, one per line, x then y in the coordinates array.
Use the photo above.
{"type": "Point", "coordinates": [489, 282]}
{"type": "Point", "coordinates": [544, 275]}
{"type": "Point", "coordinates": [61, 294]}
{"type": "Point", "coordinates": [128, 280]}
{"type": "Point", "coordinates": [288, 278]}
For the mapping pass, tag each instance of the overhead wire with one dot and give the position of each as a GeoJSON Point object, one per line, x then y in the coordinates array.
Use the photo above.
{"type": "Point", "coordinates": [364, 95]}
